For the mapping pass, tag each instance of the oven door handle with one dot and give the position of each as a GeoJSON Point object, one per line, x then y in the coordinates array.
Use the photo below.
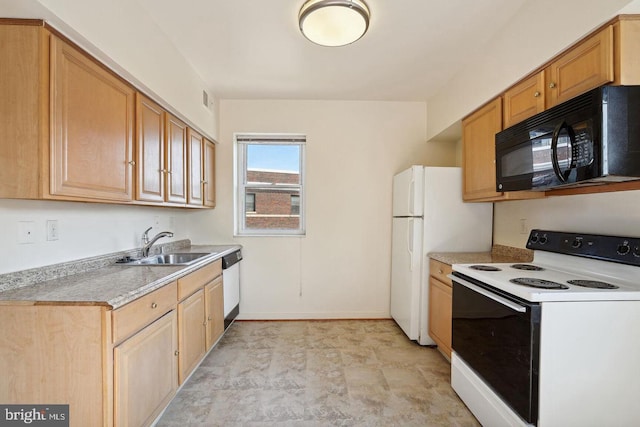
{"type": "Point", "coordinates": [497, 298]}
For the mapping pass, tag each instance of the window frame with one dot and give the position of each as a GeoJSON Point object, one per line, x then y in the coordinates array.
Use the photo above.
{"type": "Point", "coordinates": [240, 143]}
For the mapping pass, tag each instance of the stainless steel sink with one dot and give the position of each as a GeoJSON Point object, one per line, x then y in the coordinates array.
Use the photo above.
{"type": "Point", "coordinates": [169, 259]}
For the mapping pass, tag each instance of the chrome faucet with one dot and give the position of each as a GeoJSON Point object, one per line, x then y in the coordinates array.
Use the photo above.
{"type": "Point", "coordinates": [148, 243]}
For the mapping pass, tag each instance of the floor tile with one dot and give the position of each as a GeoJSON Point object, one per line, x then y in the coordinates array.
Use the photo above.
{"type": "Point", "coordinates": [318, 373]}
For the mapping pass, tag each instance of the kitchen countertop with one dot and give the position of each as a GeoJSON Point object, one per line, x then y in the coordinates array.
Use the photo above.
{"type": "Point", "coordinates": [498, 253]}
{"type": "Point", "coordinates": [113, 285]}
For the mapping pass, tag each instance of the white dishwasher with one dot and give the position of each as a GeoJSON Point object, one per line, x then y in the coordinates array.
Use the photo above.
{"type": "Point", "coordinates": [231, 286]}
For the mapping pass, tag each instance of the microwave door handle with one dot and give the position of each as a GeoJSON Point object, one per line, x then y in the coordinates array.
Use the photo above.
{"type": "Point", "coordinates": [562, 176]}
{"type": "Point", "coordinates": [497, 298]}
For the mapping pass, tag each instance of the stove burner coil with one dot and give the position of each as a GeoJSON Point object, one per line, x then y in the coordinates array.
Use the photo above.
{"type": "Point", "coordinates": [538, 283]}
{"type": "Point", "coordinates": [529, 267]}
{"type": "Point", "coordinates": [484, 268]}
{"type": "Point", "coordinates": [592, 284]}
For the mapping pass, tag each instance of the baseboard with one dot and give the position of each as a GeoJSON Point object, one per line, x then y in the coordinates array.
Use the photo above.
{"type": "Point", "coordinates": [314, 316]}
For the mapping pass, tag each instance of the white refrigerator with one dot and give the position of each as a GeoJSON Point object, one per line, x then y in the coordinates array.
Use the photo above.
{"type": "Point", "coordinates": [429, 215]}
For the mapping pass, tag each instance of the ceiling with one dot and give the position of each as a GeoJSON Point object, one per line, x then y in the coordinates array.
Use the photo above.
{"type": "Point", "coordinates": [252, 49]}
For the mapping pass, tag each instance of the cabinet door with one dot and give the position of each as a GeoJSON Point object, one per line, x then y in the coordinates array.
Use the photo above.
{"type": "Point", "coordinates": [479, 153]}
{"type": "Point", "coordinates": [440, 314]}
{"type": "Point", "coordinates": [584, 67]}
{"type": "Point", "coordinates": [215, 311]}
{"type": "Point", "coordinates": [145, 373]}
{"type": "Point", "coordinates": [209, 173]}
{"type": "Point", "coordinates": [195, 180]}
{"type": "Point", "coordinates": [92, 128]}
{"type": "Point", "coordinates": [524, 99]}
{"type": "Point", "coordinates": [176, 160]}
{"type": "Point", "coordinates": [191, 334]}
{"type": "Point", "coordinates": [150, 150]}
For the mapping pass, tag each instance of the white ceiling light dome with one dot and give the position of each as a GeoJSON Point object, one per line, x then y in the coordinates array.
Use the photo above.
{"type": "Point", "coordinates": [334, 22]}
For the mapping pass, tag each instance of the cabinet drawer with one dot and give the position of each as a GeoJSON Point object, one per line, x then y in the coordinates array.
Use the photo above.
{"type": "Point", "coordinates": [440, 270]}
{"type": "Point", "coordinates": [133, 316]}
{"type": "Point", "coordinates": [193, 281]}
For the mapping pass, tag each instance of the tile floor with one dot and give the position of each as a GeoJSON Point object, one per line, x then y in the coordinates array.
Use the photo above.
{"type": "Point", "coordinates": [318, 373]}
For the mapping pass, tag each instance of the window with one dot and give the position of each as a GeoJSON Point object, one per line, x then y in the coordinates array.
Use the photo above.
{"type": "Point", "coordinates": [269, 176]}
{"type": "Point", "coordinates": [250, 203]}
{"type": "Point", "coordinates": [295, 205]}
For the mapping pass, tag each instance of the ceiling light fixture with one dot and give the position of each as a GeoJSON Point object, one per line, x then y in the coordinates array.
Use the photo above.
{"type": "Point", "coordinates": [333, 22]}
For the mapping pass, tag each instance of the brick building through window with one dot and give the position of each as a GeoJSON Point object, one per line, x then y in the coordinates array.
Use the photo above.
{"type": "Point", "coordinates": [272, 207]}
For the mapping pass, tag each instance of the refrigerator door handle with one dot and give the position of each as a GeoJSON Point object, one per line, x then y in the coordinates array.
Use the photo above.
{"type": "Point", "coordinates": [410, 243]}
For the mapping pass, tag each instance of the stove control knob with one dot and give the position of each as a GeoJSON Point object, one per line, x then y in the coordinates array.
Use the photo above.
{"type": "Point", "coordinates": [577, 243]}
{"type": "Point", "coordinates": [624, 248]}
{"type": "Point", "coordinates": [636, 251]}
{"type": "Point", "coordinates": [543, 239]}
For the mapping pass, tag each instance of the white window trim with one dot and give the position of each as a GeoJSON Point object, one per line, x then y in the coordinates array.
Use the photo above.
{"type": "Point", "coordinates": [239, 170]}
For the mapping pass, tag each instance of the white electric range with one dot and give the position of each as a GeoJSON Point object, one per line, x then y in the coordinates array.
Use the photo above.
{"type": "Point", "coordinates": [552, 342]}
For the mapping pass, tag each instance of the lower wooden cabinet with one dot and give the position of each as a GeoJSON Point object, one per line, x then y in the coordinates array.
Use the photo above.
{"type": "Point", "coordinates": [200, 316]}
{"type": "Point", "coordinates": [113, 367]}
{"type": "Point", "coordinates": [440, 293]}
{"type": "Point", "coordinates": [214, 301]}
{"type": "Point", "coordinates": [145, 372]}
{"type": "Point", "coordinates": [191, 346]}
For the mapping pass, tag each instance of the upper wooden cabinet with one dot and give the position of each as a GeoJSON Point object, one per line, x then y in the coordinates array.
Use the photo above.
{"type": "Point", "coordinates": [195, 177]}
{"type": "Point", "coordinates": [176, 166]}
{"type": "Point", "coordinates": [209, 173]}
{"type": "Point", "coordinates": [524, 99]}
{"type": "Point", "coordinates": [583, 67]}
{"type": "Point", "coordinates": [67, 130]}
{"type": "Point", "coordinates": [92, 128]}
{"type": "Point", "coordinates": [606, 56]}
{"type": "Point", "coordinates": [150, 158]}
{"type": "Point", "coordinates": [161, 154]}
{"type": "Point", "coordinates": [478, 152]}
{"type": "Point", "coordinates": [67, 123]}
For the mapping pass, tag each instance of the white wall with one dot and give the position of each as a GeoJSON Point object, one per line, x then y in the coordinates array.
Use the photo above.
{"type": "Point", "coordinates": [616, 214]}
{"type": "Point", "coordinates": [341, 268]}
{"type": "Point", "coordinates": [539, 31]}
{"type": "Point", "coordinates": [85, 230]}
{"type": "Point", "coordinates": [121, 35]}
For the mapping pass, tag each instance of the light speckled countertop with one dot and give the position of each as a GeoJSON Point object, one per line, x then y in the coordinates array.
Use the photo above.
{"type": "Point", "coordinates": [113, 285]}
{"type": "Point", "coordinates": [498, 253]}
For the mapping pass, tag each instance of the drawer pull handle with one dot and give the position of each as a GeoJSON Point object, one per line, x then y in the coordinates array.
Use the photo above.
{"type": "Point", "coordinates": [440, 271]}
{"type": "Point", "coordinates": [552, 85]}
{"type": "Point", "coordinates": [536, 94]}
{"type": "Point", "coordinates": [176, 352]}
{"type": "Point", "coordinates": [204, 323]}
{"type": "Point", "coordinates": [209, 318]}
{"type": "Point", "coordinates": [154, 305]}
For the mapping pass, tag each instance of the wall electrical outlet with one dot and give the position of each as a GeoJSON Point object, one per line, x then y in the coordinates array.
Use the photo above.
{"type": "Point", "coordinates": [26, 232]}
{"type": "Point", "coordinates": [523, 226]}
{"type": "Point", "coordinates": [52, 230]}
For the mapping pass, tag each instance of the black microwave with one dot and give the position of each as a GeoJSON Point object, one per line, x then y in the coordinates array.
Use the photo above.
{"type": "Point", "coordinates": [592, 138]}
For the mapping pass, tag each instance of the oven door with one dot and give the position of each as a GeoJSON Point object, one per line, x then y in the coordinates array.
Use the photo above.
{"type": "Point", "coordinates": [498, 336]}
